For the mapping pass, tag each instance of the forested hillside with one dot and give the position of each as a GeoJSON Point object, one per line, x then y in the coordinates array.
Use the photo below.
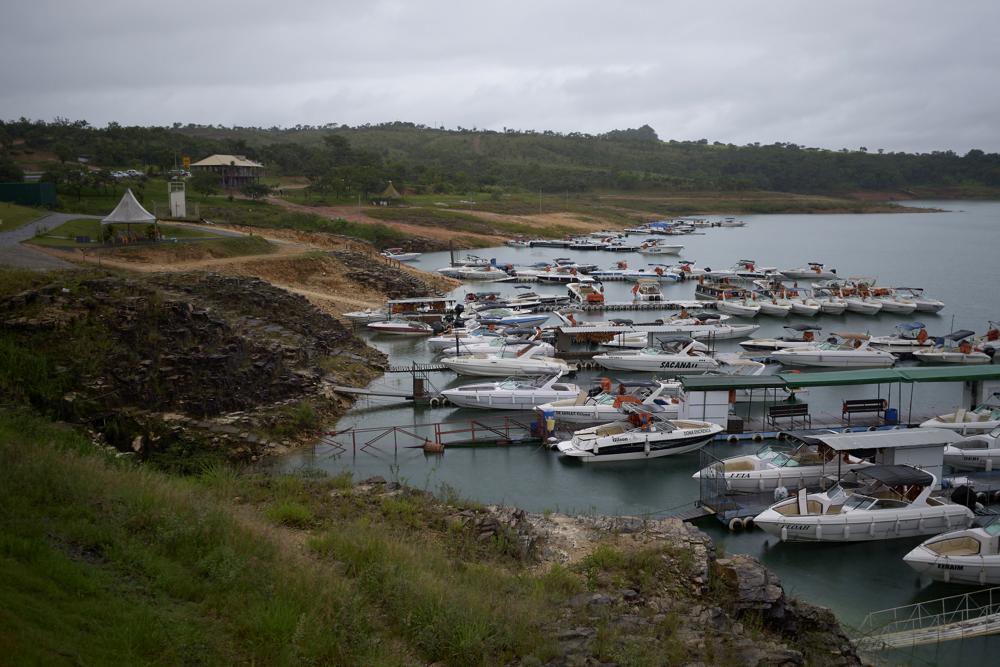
{"type": "Point", "coordinates": [422, 159]}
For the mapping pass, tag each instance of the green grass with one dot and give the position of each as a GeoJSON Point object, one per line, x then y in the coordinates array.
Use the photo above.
{"type": "Point", "coordinates": [289, 513]}
{"type": "Point", "coordinates": [13, 216]}
{"type": "Point", "coordinates": [102, 563]}
{"type": "Point", "coordinates": [269, 216]}
{"type": "Point", "coordinates": [463, 221]}
{"type": "Point", "coordinates": [65, 234]}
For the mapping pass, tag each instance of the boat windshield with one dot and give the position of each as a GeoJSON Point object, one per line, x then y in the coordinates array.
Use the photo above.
{"type": "Point", "coordinates": [859, 502]}
{"type": "Point", "coordinates": [992, 528]}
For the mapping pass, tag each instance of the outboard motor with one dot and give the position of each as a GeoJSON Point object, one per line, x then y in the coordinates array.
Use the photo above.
{"type": "Point", "coordinates": [459, 309]}
{"type": "Point", "coordinates": [965, 495]}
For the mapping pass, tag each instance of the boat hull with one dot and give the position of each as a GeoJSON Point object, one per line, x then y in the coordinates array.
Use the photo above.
{"type": "Point", "coordinates": [494, 400]}
{"type": "Point", "coordinates": [832, 359]}
{"type": "Point", "coordinates": [635, 451]}
{"type": "Point", "coordinates": [974, 570]}
{"type": "Point", "coordinates": [865, 526]}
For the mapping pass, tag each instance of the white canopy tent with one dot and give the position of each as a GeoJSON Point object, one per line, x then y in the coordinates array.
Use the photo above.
{"type": "Point", "coordinates": [129, 212]}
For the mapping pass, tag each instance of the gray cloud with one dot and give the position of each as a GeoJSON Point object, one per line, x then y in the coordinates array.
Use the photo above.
{"type": "Point", "coordinates": [900, 75]}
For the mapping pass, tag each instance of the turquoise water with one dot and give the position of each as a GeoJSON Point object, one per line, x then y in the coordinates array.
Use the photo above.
{"type": "Point", "coordinates": [953, 255]}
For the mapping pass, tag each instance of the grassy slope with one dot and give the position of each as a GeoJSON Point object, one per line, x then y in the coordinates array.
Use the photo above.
{"type": "Point", "coordinates": [105, 563]}
{"type": "Point", "coordinates": [13, 216]}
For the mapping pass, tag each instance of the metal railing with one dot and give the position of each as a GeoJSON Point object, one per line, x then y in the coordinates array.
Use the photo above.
{"type": "Point", "coordinates": [945, 619]}
{"type": "Point", "coordinates": [507, 431]}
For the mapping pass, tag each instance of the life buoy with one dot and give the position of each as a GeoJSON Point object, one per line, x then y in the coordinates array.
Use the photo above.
{"type": "Point", "coordinates": [922, 336]}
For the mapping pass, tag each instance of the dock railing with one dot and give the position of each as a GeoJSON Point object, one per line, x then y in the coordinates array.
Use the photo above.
{"type": "Point", "coordinates": [944, 619]}
{"type": "Point", "coordinates": [506, 431]}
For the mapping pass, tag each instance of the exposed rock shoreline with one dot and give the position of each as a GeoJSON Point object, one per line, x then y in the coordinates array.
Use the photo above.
{"type": "Point", "coordinates": [659, 582]}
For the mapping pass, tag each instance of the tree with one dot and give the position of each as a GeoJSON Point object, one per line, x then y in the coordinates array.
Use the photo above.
{"type": "Point", "coordinates": [9, 171]}
{"type": "Point", "coordinates": [204, 182]}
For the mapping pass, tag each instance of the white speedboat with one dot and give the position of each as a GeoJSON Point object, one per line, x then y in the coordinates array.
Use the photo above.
{"type": "Point", "coordinates": [924, 303]}
{"type": "Point", "coordinates": [500, 346]}
{"type": "Point", "coordinates": [660, 249]}
{"type": "Point", "coordinates": [400, 255]}
{"type": "Point", "coordinates": [643, 435]}
{"type": "Point", "coordinates": [606, 405]}
{"type": "Point", "coordinates": [802, 462]}
{"type": "Point", "coordinates": [512, 393]}
{"type": "Point", "coordinates": [646, 291]}
{"type": "Point", "coordinates": [892, 302]}
{"type": "Point", "coordinates": [677, 355]}
{"type": "Point", "coordinates": [976, 452]}
{"type": "Point", "coordinates": [888, 502]}
{"type": "Point", "coordinates": [463, 336]}
{"type": "Point", "coordinates": [563, 275]}
{"type": "Point", "coordinates": [812, 271]}
{"type": "Point", "coordinates": [969, 556]}
{"type": "Point", "coordinates": [799, 335]}
{"type": "Point", "coordinates": [981, 419]}
{"type": "Point", "coordinates": [910, 336]}
{"type": "Point", "coordinates": [774, 306]}
{"type": "Point", "coordinates": [831, 304]}
{"type": "Point", "coordinates": [732, 222]}
{"type": "Point", "coordinates": [517, 243]}
{"type": "Point", "coordinates": [402, 327]}
{"type": "Point", "coordinates": [488, 272]}
{"type": "Point", "coordinates": [586, 293]}
{"type": "Point", "coordinates": [805, 306]}
{"type": "Point", "coordinates": [856, 354]}
{"type": "Point", "coordinates": [863, 305]}
{"type": "Point", "coordinates": [954, 348]}
{"type": "Point", "coordinates": [491, 365]}
{"type": "Point", "coordinates": [738, 307]}
{"type": "Point", "coordinates": [367, 315]}
{"type": "Point", "coordinates": [510, 317]}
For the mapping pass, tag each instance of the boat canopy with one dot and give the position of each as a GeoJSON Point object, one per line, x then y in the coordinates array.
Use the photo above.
{"type": "Point", "coordinates": [895, 439]}
{"type": "Point", "coordinates": [679, 338]}
{"type": "Point", "coordinates": [803, 327]}
{"type": "Point", "coordinates": [793, 380]}
{"type": "Point", "coordinates": [960, 334]}
{"type": "Point", "coordinates": [897, 475]}
{"type": "Point", "coordinates": [621, 321]}
{"type": "Point", "coordinates": [911, 326]}
{"type": "Point", "coordinates": [705, 315]}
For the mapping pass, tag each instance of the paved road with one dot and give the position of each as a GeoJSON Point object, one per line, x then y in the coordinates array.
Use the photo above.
{"type": "Point", "coordinates": [15, 254]}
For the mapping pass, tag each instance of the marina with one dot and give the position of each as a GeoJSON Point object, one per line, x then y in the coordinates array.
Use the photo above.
{"type": "Point", "coordinates": [535, 478]}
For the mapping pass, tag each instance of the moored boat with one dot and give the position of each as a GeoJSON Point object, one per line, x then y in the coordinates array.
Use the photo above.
{"type": "Point", "coordinates": [399, 255]}
{"type": "Point", "coordinates": [969, 556]}
{"type": "Point", "coordinates": [887, 502]}
{"type": "Point", "coordinates": [512, 393]}
{"type": "Point", "coordinates": [402, 327]}
{"type": "Point", "coordinates": [643, 435]}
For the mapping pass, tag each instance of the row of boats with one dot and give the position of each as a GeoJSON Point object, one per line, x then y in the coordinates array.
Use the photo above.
{"type": "Point", "coordinates": [619, 241]}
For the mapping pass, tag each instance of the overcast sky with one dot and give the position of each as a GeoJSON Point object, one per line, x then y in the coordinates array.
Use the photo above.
{"type": "Point", "coordinates": [901, 75]}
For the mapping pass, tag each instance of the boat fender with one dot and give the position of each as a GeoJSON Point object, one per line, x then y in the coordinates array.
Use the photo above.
{"type": "Point", "coordinates": [757, 437]}
{"type": "Point", "coordinates": [780, 493]}
{"type": "Point", "coordinates": [981, 498]}
{"type": "Point", "coordinates": [748, 523]}
{"type": "Point", "coordinates": [784, 533]}
{"type": "Point", "coordinates": [734, 440]}
{"type": "Point", "coordinates": [996, 496]}
{"type": "Point", "coordinates": [736, 525]}
{"type": "Point", "coordinates": [435, 402]}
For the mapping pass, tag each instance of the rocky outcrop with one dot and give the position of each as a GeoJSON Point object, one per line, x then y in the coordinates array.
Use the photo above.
{"type": "Point", "coordinates": [204, 359]}
{"type": "Point", "coordinates": [374, 273]}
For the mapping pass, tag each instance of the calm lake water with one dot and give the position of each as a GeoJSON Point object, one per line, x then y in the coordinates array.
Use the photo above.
{"type": "Point", "coordinates": [954, 255]}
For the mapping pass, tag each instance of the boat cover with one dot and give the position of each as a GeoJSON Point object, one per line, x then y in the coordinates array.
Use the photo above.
{"type": "Point", "coordinates": [803, 327]}
{"type": "Point", "coordinates": [911, 326]}
{"type": "Point", "coordinates": [897, 475]}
